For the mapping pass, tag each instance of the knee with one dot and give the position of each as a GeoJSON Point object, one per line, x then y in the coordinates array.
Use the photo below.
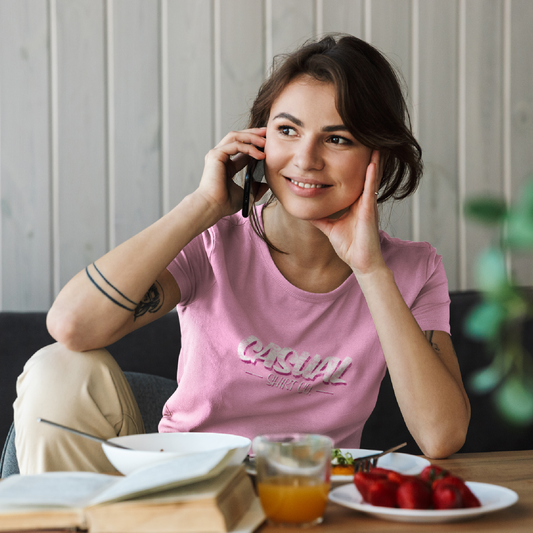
{"type": "Point", "coordinates": [55, 369]}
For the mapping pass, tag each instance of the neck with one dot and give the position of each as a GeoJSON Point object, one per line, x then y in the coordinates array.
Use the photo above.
{"type": "Point", "coordinates": [309, 262]}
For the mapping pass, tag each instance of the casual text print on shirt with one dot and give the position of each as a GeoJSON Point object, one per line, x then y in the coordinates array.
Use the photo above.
{"type": "Point", "coordinates": [288, 361]}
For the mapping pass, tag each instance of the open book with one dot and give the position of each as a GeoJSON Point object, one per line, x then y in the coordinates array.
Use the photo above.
{"type": "Point", "coordinates": [191, 493]}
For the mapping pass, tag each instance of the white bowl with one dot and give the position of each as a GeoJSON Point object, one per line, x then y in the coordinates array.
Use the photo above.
{"type": "Point", "coordinates": [151, 448]}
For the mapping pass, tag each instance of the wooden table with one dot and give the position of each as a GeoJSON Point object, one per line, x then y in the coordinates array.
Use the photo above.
{"type": "Point", "coordinates": [513, 470]}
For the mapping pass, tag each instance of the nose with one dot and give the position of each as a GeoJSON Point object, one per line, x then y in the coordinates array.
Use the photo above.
{"type": "Point", "coordinates": [307, 155]}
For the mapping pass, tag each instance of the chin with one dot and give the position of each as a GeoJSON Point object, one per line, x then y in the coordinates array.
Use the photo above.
{"type": "Point", "coordinates": [338, 214]}
{"type": "Point", "coordinates": [314, 212]}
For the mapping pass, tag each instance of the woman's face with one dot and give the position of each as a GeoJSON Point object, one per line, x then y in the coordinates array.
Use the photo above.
{"type": "Point", "coordinates": [314, 166]}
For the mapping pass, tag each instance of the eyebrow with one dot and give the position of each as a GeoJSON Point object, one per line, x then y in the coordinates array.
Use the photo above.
{"type": "Point", "coordinates": [298, 122]}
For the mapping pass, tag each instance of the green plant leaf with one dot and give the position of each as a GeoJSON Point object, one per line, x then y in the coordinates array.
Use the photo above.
{"type": "Point", "coordinates": [489, 210]}
{"type": "Point", "coordinates": [491, 271]}
{"type": "Point", "coordinates": [515, 401]}
{"type": "Point", "coordinates": [520, 230]}
{"type": "Point", "coordinates": [484, 321]}
{"type": "Point", "coordinates": [486, 380]}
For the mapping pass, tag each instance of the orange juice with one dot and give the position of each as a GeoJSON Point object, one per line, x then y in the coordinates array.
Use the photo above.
{"type": "Point", "coordinates": [293, 499]}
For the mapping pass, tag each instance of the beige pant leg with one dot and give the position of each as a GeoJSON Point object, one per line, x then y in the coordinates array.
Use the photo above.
{"type": "Point", "coordinates": [86, 391]}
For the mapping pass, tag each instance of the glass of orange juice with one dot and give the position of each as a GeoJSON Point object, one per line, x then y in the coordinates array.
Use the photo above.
{"type": "Point", "coordinates": [293, 477]}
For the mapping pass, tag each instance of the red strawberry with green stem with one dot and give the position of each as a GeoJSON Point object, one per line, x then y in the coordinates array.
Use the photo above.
{"type": "Point", "coordinates": [433, 472]}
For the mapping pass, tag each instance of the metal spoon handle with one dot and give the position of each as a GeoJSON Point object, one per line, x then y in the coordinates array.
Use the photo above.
{"type": "Point", "coordinates": [82, 434]}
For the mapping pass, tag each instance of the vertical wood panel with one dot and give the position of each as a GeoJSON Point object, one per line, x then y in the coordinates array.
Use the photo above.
{"type": "Point", "coordinates": [293, 22]}
{"type": "Point", "coordinates": [137, 116]}
{"type": "Point", "coordinates": [438, 197]}
{"type": "Point", "coordinates": [24, 158]}
{"type": "Point", "coordinates": [345, 16]}
{"type": "Point", "coordinates": [190, 93]}
{"type": "Point", "coordinates": [391, 33]}
{"type": "Point", "coordinates": [521, 114]}
{"type": "Point", "coordinates": [81, 135]}
{"type": "Point", "coordinates": [241, 60]}
{"type": "Point", "coordinates": [473, 125]}
{"type": "Point", "coordinates": [483, 148]}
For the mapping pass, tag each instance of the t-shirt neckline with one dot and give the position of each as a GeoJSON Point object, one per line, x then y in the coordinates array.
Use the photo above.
{"type": "Point", "coordinates": [284, 283]}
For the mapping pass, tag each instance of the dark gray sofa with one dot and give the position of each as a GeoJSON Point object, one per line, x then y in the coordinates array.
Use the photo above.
{"type": "Point", "coordinates": [154, 349]}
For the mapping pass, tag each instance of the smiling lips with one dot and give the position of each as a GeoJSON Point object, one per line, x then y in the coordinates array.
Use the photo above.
{"type": "Point", "coordinates": [303, 185]}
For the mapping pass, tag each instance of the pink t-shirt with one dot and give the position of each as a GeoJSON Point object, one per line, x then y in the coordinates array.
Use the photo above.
{"type": "Point", "coordinates": [261, 356]}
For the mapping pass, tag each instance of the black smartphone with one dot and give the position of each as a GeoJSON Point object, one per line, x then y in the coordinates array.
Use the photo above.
{"type": "Point", "coordinates": [254, 172]}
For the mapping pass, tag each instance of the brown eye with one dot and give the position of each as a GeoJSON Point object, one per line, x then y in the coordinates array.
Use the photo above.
{"type": "Point", "coordinates": [287, 130]}
{"type": "Point", "coordinates": [337, 139]}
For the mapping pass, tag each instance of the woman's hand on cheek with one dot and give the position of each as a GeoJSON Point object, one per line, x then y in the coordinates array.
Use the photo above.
{"type": "Point", "coordinates": [355, 234]}
{"type": "Point", "coordinates": [223, 162]}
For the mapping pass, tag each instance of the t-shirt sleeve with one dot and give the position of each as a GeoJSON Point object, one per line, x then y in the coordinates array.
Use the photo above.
{"type": "Point", "coordinates": [431, 307]}
{"type": "Point", "coordinates": [192, 269]}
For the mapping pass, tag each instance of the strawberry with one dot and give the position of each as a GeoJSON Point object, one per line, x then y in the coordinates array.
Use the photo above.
{"type": "Point", "coordinates": [414, 494]}
{"type": "Point", "coordinates": [383, 471]}
{"type": "Point", "coordinates": [432, 472]}
{"type": "Point", "coordinates": [382, 493]}
{"type": "Point", "coordinates": [468, 497]}
{"type": "Point", "coordinates": [396, 477]}
{"type": "Point", "coordinates": [391, 475]}
{"type": "Point", "coordinates": [363, 480]}
{"type": "Point", "coordinates": [446, 496]}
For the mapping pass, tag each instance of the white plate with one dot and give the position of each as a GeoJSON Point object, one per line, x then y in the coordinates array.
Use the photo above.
{"type": "Point", "coordinates": [399, 462]}
{"type": "Point", "coordinates": [151, 448]}
{"type": "Point", "coordinates": [491, 497]}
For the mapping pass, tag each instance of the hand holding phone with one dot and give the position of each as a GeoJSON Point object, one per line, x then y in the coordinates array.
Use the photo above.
{"type": "Point", "coordinates": [254, 172]}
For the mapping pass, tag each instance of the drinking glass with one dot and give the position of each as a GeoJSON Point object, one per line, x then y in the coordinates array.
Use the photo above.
{"type": "Point", "coordinates": [293, 477]}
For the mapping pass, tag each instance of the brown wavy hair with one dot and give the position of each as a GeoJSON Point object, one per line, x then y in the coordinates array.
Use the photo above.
{"type": "Point", "coordinates": [369, 99]}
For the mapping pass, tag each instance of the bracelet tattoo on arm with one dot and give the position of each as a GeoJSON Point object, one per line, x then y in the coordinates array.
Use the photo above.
{"type": "Point", "coordinates": [151, 303]}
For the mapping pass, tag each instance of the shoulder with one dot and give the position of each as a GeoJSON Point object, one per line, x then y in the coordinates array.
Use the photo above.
{"type": "Point", "coordinates": [410, 258]}
{"type": "Point", "coordinates": [228, 228]}
{"type": "Point", "coordinates": [230, 237]}
{"type": "Point", "coordinates": [394, 246]}
{"type": "Point", "coordinates": [420, 277]}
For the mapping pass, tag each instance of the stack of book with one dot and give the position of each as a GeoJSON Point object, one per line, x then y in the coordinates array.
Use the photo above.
{"type": "Point", "coordinates": [192, 494]}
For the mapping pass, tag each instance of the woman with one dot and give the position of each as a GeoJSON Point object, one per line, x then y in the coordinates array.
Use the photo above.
{"type": "Point", "coordinates": [290, 318]}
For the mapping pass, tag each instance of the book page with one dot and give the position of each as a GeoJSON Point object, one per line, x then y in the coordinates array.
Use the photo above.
{"type": "Point", "coordinates": [52, 489]}
{"type": "Point", "coordinates": [199, 490]}
{"type": "Point", "coordinates": [162, 476]}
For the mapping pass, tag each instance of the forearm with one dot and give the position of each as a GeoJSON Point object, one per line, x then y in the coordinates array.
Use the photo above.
{"type": "Point", "coordinates": [427, 385]}
{"type": "Point", "coordinates": [101, 303]}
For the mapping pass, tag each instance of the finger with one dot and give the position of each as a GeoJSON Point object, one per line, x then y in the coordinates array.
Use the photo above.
{"type": "Point", "coordinates": [242, 157]}
{"type": "Point", "coordinates": [372, 185]}
{"type": "Point", "coordinates": [250, 136]}
{"type": "Point", "coordinates": [234, 155]}
{"type": "Point", "coordinates": [372, 179]}
{"type": "Point", "coordinates": [376, 158]}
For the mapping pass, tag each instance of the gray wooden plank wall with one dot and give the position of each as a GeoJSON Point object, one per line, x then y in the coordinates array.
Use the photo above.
{"type": "Point", "coordinates": [107, 108]}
